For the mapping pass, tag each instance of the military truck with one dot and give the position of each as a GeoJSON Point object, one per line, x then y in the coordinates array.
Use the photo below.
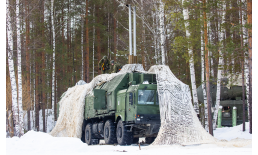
{"type": "Point", "coordinates": [229, 98]}
{"type": "Point", "coordinates": [122, 110]}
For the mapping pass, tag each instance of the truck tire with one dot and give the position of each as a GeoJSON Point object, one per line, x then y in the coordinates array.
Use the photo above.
{"type": "Point", "coordinates": [149, 140]}
{"type": "Point", "coordinates": [83, 137]}
{"type": "Point", "coordinates": [123, 137]}
{"type": "Point", "coordinates": [89, 137]}
{"type": "Point", "coordinates": [109, 132]}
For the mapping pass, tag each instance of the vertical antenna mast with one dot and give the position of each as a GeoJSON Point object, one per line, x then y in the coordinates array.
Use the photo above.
{"type": "Point", "coordinates": [130, 35]}
{"type": "Point", "coordinates": [134, 31]}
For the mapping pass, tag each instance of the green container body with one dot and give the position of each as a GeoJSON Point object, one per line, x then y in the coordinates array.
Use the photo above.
{"type": "Point", "coordinates": [119, 97]}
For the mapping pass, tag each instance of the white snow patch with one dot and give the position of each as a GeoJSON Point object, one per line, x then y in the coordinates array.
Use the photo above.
{"type": "Point", "coordinates": [42, 143]}
{"type": "Point", "coordinates": [230, 133]}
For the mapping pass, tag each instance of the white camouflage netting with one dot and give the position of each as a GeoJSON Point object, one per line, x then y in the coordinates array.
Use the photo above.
{"type": "Point", "coordinates": [179, 122]}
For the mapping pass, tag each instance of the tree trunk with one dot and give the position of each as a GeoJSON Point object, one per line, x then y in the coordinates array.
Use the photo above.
{"type": "Point", "coordinates": [98, 37]}
{"type": "Point", "coordinates": [205, 112]}
{"type": "Point", "coordinates": [37, 72]}
{"type": "Point", "coordinates": [93, 43]}
{"type": "Point", "coordinates": [28, 61]}
{"type": "Point", "coordinates": [21, 131]}
{"type": "Point", "coordinates": [43, 68]}
{"type": "Point", "coordinates": [191, 62]}
{"type": "Point", "coordinates": [162, 33]}
{"type": "Point", "coordinates": [249, 21]}
{"type": "Point", "coordinates": [53, 59]}
{"type": "Point", "coordinates": [115, 35]}
{"type": "Point", "coordinates": [242, 66]}
{"type": "Point", "coordinates": [87, 67]}
{"type": "Point", "coordinates": [82, 49]}
{"type": "Point", "coordinates": [219, 72]}
{"type": "Point", "coordinates": [207, 69]}
{"type": "Point", "coordinates": [11, 70]}
{"type": "Point", "coordinates": [246, 70]}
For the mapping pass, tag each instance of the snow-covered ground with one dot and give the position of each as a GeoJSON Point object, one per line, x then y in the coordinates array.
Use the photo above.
{"type": "Point", "coordinates": [42, 143]}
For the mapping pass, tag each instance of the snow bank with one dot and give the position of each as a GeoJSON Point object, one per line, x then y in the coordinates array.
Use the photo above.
{"type": "Point", "coordinates": [39, 143]}
{"type": "Point", "coordinates": [229, 133]}
{"type": "Point", "coordinates": [233, 136]}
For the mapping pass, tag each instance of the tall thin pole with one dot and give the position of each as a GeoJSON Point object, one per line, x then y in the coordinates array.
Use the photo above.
{"type": "Point", "coordinates": [134, 31]}
{"type": "Point", "coordinates": [130, 30]}
{"type": "Point", "coordinates": [93, 42]}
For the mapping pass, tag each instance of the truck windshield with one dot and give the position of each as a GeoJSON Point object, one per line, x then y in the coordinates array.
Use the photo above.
{"type": "Point", "coordinates": [146, 96]}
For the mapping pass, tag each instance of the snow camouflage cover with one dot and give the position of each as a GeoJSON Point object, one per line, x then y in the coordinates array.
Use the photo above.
{"type": "Point", "coordinates": [179, 122]}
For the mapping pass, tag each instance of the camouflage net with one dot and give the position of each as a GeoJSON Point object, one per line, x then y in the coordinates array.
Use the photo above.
{"type": "Point", "coordinates": [179, 122]}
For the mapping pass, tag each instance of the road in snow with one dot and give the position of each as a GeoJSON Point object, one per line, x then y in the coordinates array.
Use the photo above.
{"type": "Point", "coordinates": [38, 143]}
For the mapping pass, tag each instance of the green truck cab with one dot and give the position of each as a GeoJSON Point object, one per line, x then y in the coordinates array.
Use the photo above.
{"type": "Point", "coordinates": [122, 110]}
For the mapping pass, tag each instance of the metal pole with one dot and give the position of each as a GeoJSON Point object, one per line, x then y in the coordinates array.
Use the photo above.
{"type": "Point", "coordinates": [234, 116]}
{"type": "Point", "coordinates": [219, 117]}
{"type": "Point", "coordinates": [130, 31]}
{"type": "Point", "coordinates": [134, 30]}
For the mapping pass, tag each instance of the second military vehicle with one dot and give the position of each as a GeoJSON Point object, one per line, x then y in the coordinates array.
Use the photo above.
{"type": "Point", "coordinates": [229, 98]}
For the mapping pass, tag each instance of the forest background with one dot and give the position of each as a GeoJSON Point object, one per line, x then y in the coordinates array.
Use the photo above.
{"type": "Point", "coordinates": [52, 44]}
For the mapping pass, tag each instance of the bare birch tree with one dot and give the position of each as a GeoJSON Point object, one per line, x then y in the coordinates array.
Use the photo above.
{"type": "Point", "coordinates": [219, 70]}
{"type": "Point", "coordinates": [191, 62]}
{"type": "Point", "coordinates": [203, 86]}
{"type": "Point", "coordinates": [53, 69]}
{"type": "Point", "coordinates": [21, 130]}
{"type": "Point", "coordinates": [162, 32]}
{"type": "Point", "coordinates": [11, 70]}
{"type": "Point", "coordinates": [249, 21]}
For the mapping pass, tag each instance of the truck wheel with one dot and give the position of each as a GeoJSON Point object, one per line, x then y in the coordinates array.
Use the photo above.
{"type": "Point", "coordinates": [109, 132]}
{"type": "Point", "coordinates": [83, 137]}
{"type": "Point", "coordinates": [135, 140]}
{"type": "Point", "coordinates": [149, 140]}
{"type": "Point", "coordinates": [123, 137]}
{"type": "Point", "coordinates": [89, 137]}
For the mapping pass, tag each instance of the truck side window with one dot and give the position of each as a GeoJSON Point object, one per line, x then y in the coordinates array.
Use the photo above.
{"type": "Point", "coordinates": [131, 98]}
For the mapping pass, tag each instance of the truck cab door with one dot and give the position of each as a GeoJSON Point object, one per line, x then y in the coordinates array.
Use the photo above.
{"type": "Point", "coordinates": [130, 106]}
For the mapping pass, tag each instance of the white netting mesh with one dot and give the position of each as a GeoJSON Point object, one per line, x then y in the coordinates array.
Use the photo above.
{"type": "Point", "coordinates": [179, 122]}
